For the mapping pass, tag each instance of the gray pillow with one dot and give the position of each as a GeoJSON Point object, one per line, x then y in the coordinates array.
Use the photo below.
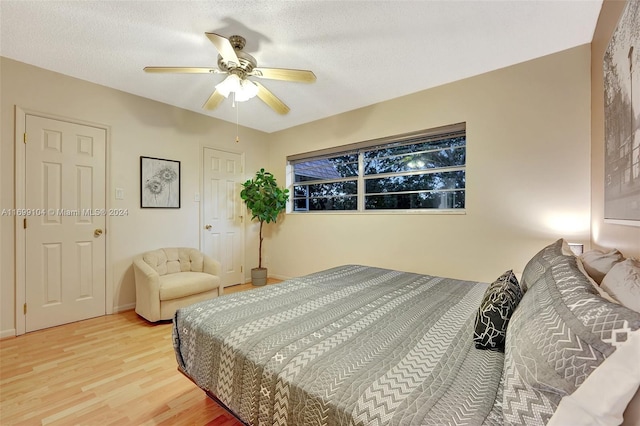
{"type": "Point", "coordinates": [539, 263]}
{"type": "Point", "coordinates": [560, 333]}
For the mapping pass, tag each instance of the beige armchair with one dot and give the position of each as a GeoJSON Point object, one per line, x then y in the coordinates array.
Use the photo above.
{"type": "Point", "coordinates": [170, 278]}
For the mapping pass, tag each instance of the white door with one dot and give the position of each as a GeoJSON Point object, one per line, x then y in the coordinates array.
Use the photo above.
{"type": "Point", "coordinates": [65, 222]}
{"type": "Point", "coordinates": [223, 230]}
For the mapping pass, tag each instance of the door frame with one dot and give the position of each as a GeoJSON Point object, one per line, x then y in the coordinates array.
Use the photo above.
{"type": "Point", "coordinates": [20, 199]}
{"type": "Point", "coordinates": [243, 208]}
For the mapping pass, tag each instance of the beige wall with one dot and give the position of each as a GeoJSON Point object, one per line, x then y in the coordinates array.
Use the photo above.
{"type": "Point", "coordinates": [605, 235]}
{"type": "Point", "coordinates": [138, 127]}
{"type": "Point", "coordinates": [528, 171]}
{"type": "Point", "coordinates": [528, 176]}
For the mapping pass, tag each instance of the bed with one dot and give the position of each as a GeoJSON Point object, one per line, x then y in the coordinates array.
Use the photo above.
{"type": "Point", "coordinates": [360, 345]}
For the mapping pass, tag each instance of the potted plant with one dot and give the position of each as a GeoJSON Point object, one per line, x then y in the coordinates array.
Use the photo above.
{"type": "Point", "coordinates": [265, 200]}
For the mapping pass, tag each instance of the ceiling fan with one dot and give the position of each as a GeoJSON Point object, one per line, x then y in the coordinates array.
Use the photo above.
{"type": "Point", "coordinates": [239, 66]}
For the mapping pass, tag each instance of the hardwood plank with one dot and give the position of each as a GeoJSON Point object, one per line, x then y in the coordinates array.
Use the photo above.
{"type": "Point", "coordinates": [113, 370]}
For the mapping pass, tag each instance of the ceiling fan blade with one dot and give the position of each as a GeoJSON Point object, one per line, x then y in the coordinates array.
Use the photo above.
{"type": "Point", "coordinates": [303, 76]}
{"type": "Point", "coordinates": [224, 47]}
{"type": "Point", "coordinates": [213, 101]}
{"type": "Point", "coordinates": [270, 99]}
{"type": "Point", "coordinates": [188, 70]}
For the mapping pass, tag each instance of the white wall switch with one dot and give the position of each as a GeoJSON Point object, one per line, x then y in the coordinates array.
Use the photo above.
{"type": "Point", "coordinates": [119, 194]}
{"type": "Point", "coordinates": [196, 197]}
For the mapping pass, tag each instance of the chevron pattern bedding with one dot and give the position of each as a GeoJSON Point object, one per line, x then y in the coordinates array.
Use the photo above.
{"type": "Point", "coordinates": [352, 345]}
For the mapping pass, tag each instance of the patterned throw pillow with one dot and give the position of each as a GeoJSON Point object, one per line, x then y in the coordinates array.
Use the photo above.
{"type": "Point", "coordinates": [496, 308]}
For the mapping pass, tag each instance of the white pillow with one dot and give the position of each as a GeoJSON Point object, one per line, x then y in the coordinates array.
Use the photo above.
{"type": "Point", "coordinates": [566, 248]}
{"type": "Point", "coordinates": [597, 263]}
{"type": "Point", "coordinates": [623, 283]}
{"type": "Point", "coordinates": [596, 287]}
{"type": "Point", "coordinates": [605, 394]}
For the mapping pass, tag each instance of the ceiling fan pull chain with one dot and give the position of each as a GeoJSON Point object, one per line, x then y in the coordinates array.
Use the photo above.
{"type": "Point", "coordinates": [237, 125]}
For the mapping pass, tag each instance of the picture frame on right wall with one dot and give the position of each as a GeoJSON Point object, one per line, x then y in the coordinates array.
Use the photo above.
{"type": "Point", "coordinates": [621, 67]}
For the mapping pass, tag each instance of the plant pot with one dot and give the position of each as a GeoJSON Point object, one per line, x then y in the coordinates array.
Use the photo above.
{"type": "Point", "coordinates": [259, 276]}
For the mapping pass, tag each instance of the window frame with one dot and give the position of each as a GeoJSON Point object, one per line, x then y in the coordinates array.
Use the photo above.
{"type": "Point", "coordinates": [359, 148]}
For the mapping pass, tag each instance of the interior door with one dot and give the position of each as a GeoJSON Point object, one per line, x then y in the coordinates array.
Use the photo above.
{"type": "Point", "coordinates": [65, 222]}
{"type": "Point", "coordinates": [223, 229]}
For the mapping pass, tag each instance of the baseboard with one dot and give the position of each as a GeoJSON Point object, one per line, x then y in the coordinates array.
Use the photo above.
{"type": "Point", "coordinates": [8, 333]}
{"type": "Point", "coordinates": [276, 276]}
{"type": "Point", "coordinates": [12, 332]}
{"type": "Point", "coordinates": [280, 277]}
{"type": "Point", "coordinates": [123, 308]}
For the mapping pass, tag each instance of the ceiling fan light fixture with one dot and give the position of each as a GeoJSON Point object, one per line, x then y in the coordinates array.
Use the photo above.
{"type": "Point", "coordinates": [243, 89]}
{"type": "Point", "coordinates": [228, 85]}
{"type": "Point", "coordinates": [247, 90]}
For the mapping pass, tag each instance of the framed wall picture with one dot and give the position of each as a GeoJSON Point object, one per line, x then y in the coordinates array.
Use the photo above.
{"type": "Point", "coordinates": [621, 67]}
{"type": "Point", "coordinates": [159, 183]}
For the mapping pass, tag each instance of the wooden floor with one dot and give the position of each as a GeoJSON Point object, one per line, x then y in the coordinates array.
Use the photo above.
{"type": "Point", "coordinates": [113, 370]}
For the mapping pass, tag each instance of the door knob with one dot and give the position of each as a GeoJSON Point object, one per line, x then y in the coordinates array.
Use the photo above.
{"type": "Point", "coordinates": [97, 232]}
{"type": "Point", "coordinates": [207, 227]}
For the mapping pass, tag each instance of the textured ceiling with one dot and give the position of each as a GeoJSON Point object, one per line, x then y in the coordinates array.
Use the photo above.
{"type": "Point", "coordinates": [362, 52]}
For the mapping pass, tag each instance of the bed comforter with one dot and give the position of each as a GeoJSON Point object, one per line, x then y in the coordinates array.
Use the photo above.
{"type": "Point", "coordinates": [353, 345]}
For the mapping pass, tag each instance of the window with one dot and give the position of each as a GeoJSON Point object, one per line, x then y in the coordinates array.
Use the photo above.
{"type": "Point", "coordinates": [418, 171]}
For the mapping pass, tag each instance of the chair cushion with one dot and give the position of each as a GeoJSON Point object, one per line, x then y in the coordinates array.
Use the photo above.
{"type": "Point", "coordinates": [181, 284]}
{"type": "Point", "coordinates": [172, 260]}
